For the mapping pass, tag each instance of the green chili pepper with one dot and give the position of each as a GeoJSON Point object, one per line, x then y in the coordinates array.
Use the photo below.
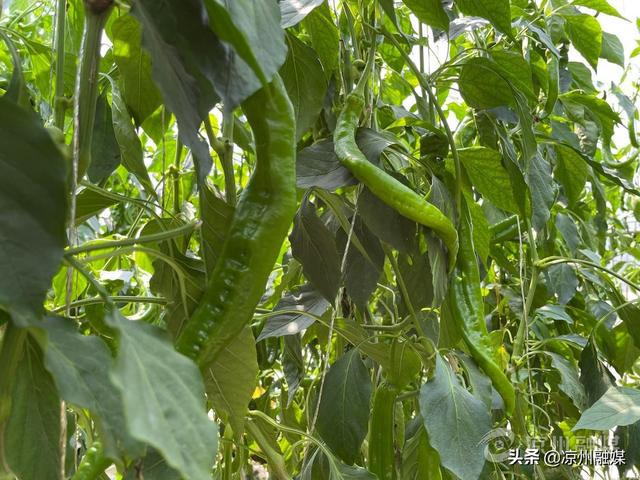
{"type": "Point", "coordinates": [93, 463]}
{"type": "Point", "coordinates": [86, 93]}
{"type": "Point", "coordinates": [391, 191]}
{"type": "Point", "coordinates": [381, 445]}
{"type": "Point", "coordinates": [258, 228]}
{"type": "Point", "coordinates": [504, 230]}
{"type": "Point", "coordinates": [464, 301]}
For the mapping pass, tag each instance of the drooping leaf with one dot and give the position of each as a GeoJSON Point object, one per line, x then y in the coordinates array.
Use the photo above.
{"type": "Point", "coordinates": [306, 300]}
{"type": "Point", "coordinates": [585, 33]}
{"type": "Point", "coordinates": [139, 91]}
{"type": "Point", "coordinates": [305, 82]}
{"type": "Point", "coordinates": [231, 380]}
{"type": "Point", "coordinates": [594, 375]}
{"type": "Point", "coordinates": [481, 86]}
{"type": "Point", "coordinates": [163, 392]}
{"type": "Point", "coordinates": [253, 29]}
{"type": "Point", "coordinates": [517, 70]}
{"type": "Point", "coordinates": [343, 414]}
{"type": "Point", "coordinates": [598, 5]}
{"type": "Point", "coordinates": [325, 37]}
{"type": "Point", "coordinates": [569, 380]}
{"type": "Point", "coordinates": [318, 166]}
{"type": "Point", "coordinates": [542, 189]}
{"type": "Point", "coordinates": [430, 12]}
{"type": "Point", "coordinates": [130, 145]}
{"type": "Point", "coordinates": [80, 366]}
{"type": "Point", "coordinates": [571, 172]}
{"type": "Point", "coordinates": [618, 406]}
{"type": "Point", "coordinates": [498, 12]}
{"type": "Point", "coordinates": [294, 11]}
{"type": "Point", "coordinates": [33, 211]}
{"type": "Point", "coordinates": [612, 49]}
{"type": "Point", "coordinates": [563, 282]}
{"type": "Point", "coordinates": [105, 153]}
{"type": "Point", "coordinates": [456, 422]}
{"type": "Point", "coordinates": [32, 432]}
{"type": "Point", "coordinates": [489, 176]}
{"type": "Point", "coordinates": [314, 246]}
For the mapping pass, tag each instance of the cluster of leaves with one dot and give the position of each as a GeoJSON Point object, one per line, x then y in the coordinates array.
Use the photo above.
{"type": "Point", "coordinates": [353, 305]}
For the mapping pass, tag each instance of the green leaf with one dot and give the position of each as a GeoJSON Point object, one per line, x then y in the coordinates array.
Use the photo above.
{"type": "Point", "coordinates": [498, 12]}
{"type": "Point", "coordinates": [456, 422]}
{"type": "Point", "coordinates": [231, 380]}
{"type": "Point", "coordinates": [294, 11]}
{"type": "Point", "coordinates": [612, 49]}
{"type": "Point", "coordinates": [307, 300]}
{"type": "Point", "coordinates": [599, 5]}
{"type": "Point", "coordinates": [325, 37]}
{"type": "Point", "coordinates": [419, 459]}
{"type": "Point", "coordinates": [569, 380]}
{"type": "Point", "coordinates": [594, 374]}
{"type": "Point", "coordinates": [489, 176]}
{"type": "Point", "coordinates": [585, 33]}
{"type": "Point", "coordinates": [318, 166]}
{"type": "Point", "coordinates": [430, 12]}
{"type": "Point", "coordinates": [517, 71]}
{"type": "Point", "coordinates": [34, 209]}
{"type": "Point", "coordinates": [253, 29]}
{"type": "Point", "coordinates": [140, 93]}
{"type": "Point", "coordinates": [305, 82]}
{"type": "Point", "coordinates": [32, 432]}
{"type": "Point", "coordinates": [554, 312]}
{"type": "Point", "coordinates": [563, 282]}
{"type": "Point", "coordinates": [482, 87]}
{"type": "Point", "coordinates": [163, 392]}
{"type": "Point", "coordinates": [385, 222]}
{"type": "Point", "coordinates": [542, 189]}
{"type": "Point", "coordinates": [343, 414]}
{"type": "Point", "coordinates": [216, 219]}
{"type": "Point", "coordinates": [90, 202]}
{"type": "Point", "coordinates": [314, 246]}
{"type": "Point", "coordinates": [128, 141]}
{"type": "Point", "coordinates": [571, 171]}
{"type": "Point", "coordinates": [80, 367]}
{"type": "Point", "coordinates": [618, 406]}
{"type": "Point", "coordinates": [361, 273]}
{"type": "Point", "coordinates": [105, 153]}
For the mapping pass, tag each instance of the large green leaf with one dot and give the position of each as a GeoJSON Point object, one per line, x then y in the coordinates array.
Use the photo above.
{"type": "Point", "coordinates": [253, 29]}
{"type": "Point", "coordinates": [585, 33]}
{"type": "Point", "coordinates": [80, 366]}
{"type": "Point", "coordinates": [105, 153]}
{"type": "Point", "coordinates": [33, 211]}
{"type": "Point", "coordinates": [343, 415]}
{"type": "Point", "coordinates": [430, 12]}
{"type": "Point", "coordinates": [599, 5]}
{"type": "Point", "coordinates": [517, 70]}
{"type": "Point", "coordinates": [482, 86]}
{"type": "Point", "coordinates": [32, 433]}
{"type": "Point", "coordinates": [138, 88]}
{"type": "Point", "coordinates": [305, 81]}
{"type": "Point", "coordinates": [314, 246]}
{"type": "Point", "coordinates": [571, 171]}
{"type": "Point", "coordinates": [163, 392]}
{"type": "Point", "coordinates": [231, 380]}
{"type": "Point", "coordinates": [456, 422]}
{"type": "Point", "coordinates": [498, 12]}
{"type": "Point", "coordinates": [128, 141]}
{"type": "Point", "coordinates": [489, 176]}
{"type": "Point", "coordinates": [618, 406]}
{"type": "Point", "coordinates": [303, 300]}
{"type": "Point", "coordinates": [325, 37]}
{"type": "Point", "coordinates": [612, 49]}
{"type": "Point", "coordinates": [569, 380]}
{"type": "Point", "coordinates": [542, 188]}
{"type": "Point", "coordinates": [294, 11]}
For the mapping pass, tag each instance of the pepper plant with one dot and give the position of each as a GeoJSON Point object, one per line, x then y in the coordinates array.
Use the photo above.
{"type": "Point", "coordinates": [317, 240]}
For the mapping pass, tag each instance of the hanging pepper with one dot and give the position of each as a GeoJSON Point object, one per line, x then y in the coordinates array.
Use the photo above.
{"type": "Point", "coordinates": [258, 228]}
{"type": "Point", "coordinates": [464, 301]}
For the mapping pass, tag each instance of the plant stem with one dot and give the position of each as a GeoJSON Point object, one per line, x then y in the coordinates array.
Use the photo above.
{"type": "Point", "coordinates": [227, 159]}
{"type": "Point", "coordinates": [275, 461]}
{"type": "Point", "coordinates": [60, 103]}
{"type": "Point", "coordinates": [156, 237]}
{"type": "Point", "coordinates": [117, 299]}
{"type": "Point", "coordinates": [523, 327]}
